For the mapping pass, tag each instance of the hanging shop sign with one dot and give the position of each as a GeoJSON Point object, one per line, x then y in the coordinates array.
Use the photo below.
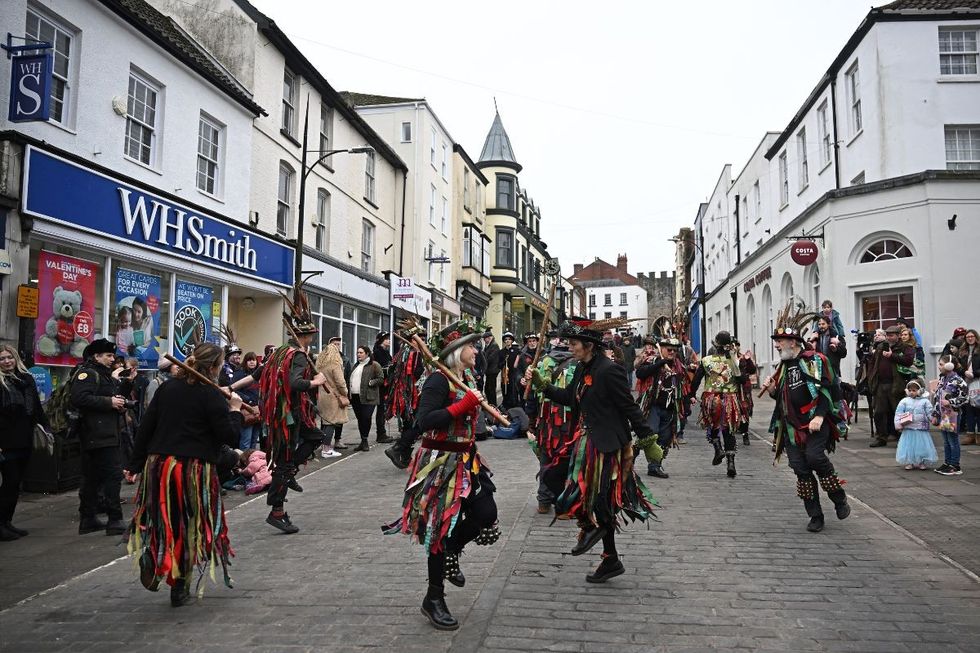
{"type": "Point", "coordinates": [66, 305]}
{"type": "Point", "coordinates": [803, 252]}
{"type": "Point", "coordinates": [30, 88]}
{"type": "Point", "coordinates": [409, 297]}
{"type": "Point", "coordinates": [193, 314]}
{"type": "Point", "coordinates": [137, 316]}
{"type": "Point", "coordinates": [62, 191]}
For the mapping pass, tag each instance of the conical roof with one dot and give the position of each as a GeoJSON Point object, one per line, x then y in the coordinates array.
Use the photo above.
{"type": "Point", "coordinates": [497, 148]}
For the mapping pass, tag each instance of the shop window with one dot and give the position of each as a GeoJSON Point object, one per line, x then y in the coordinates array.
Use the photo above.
{"type": "Point", "coordinates": [139, 316]}
{"type": "Point", "coordinates": [881, 310]}
{"type": "Point", "coordinates": [884, 250]}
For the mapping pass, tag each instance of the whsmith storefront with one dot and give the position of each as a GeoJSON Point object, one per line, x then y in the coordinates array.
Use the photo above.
{"type": "Point", "coordinates": [99, 255]}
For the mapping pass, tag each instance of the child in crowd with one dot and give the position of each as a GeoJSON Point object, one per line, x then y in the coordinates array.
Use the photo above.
{"type": "Point", "coordinates": [833, 316]}
{"type": "Point", "coordinates": [951, 395]}
{"type": "Point", "coordinates": [915, 447]}
{"type": "Point", "coordinates": [256, 471]}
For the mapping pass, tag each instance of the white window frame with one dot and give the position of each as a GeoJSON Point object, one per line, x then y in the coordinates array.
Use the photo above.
{"type": "Point", "coordinates": [855, 118]}
{"type": "Point", "coordinates": [592, 301]}
{"type": "Point", "coordinates": [326, 132]}
{"type": "Point", "coordinates": [210, 147]}
{"type": "Point", "coordinates": [607, 299]}
{"type": "Point", "coordinates": [445, 161]}
{"type": "Point", "coordinates": [370, 191]}
{"type": "Point", "coordinates": [783, 180]}
{"type": "Point", "coordinates": [467, 244]}
{"type": "Point", "coordinates": [444, 221]}
{"type": "Point", "coordinates": [289, 103]}
{"type": "Point", "coordinates": [135, 81]}
{"type": "Point", "coordinates": [486, 245]}
{"type": "Point", "coordinates": [432, 204]}
{"type": "Point", "coordinates": [466, 189]}
{"type": "Point", "coordinates": [623, 301]}
{"type": "Point", "coordinates": [432, 148]}
{"type": "Point", "coordinates": [823, 132]}
{"type": "Point", "coordinates": [948, 52]}
{"type": "Point", "coordinates": [442, 270]}
{"type": "Point", "coordinates": [971, 134]}
{"type": "Point", "coordinates": [322, 225]}
{"type": "Point", "coordinates": [284, 203]}
{"type": "Point", "coordinates": [757, 197]}
{"type": "Point", "coordinates": [429, 255]}
{"type": "Point", "coordinates": [406, 134]}
{"type": "Point", "coordinates": [367, 246]}
{"type": "Point", "coordinates": [58, 80]}
{"type": "Point", "coordinates": [803, 167]}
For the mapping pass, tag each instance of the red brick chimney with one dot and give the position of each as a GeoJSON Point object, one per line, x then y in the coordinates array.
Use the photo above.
{"type": "Point", "coordinates": [578, 269]}
{"type": "Point", "coordinates": [621, 263]}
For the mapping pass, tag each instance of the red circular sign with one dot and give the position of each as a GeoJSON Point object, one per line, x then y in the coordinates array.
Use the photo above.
{"type": "Point", "coordinates": [83, 325]}
{"type": "Point", "coordinates": [804, 252]}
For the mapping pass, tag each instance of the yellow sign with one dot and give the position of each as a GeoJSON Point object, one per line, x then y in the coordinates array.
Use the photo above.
{"type": "Point", "coordinates": [27, 300]}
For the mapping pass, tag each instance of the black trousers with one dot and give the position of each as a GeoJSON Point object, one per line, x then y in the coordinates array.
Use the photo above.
{"type": "Point", "coordinates": [407, 438]}
{"type": "Point", "coordinates": [306, 441]}
{"type": "Point", "coordinates": [363, 413]}
{"type": "Point", "coordinates": [811, 458]}
{"type": "Point", "coordinates": [379, 419]}
{"type": "Point", "coordinates": [13, 466]}
{"type": "Point", "coordinates": [101, 473]}
{"type": "Point", "coordinates": [477, 512]}
{"type": "Point", "coordinates": [885, 404]}
{"type": "Point", "coordinates": [490, 388]}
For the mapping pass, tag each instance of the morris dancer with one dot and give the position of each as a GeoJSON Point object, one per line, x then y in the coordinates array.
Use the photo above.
{"type": "Point", "coordinates": [552, 443]}
{"type": "Point", "coordinates": [602, 490]}
{"type": "Point", "coordinates": [449, 497]}
{"type": "Point", "coordinates": [807, 394]}
{"type": "Point", "coordinates": [746, 368]}
{"type": "Point", "coordinates": [661, 403]}
{"type": "Point", "coordinates": [721, 409]}
{"type": "Point", "coordinates": [402, 391]}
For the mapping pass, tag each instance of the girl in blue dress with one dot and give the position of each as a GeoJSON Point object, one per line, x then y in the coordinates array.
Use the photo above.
{"type": "Point", "coordinates": [915, 447]}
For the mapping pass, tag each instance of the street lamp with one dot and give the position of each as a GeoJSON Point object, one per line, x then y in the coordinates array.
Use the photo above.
{"type": "Point", "coordinates": [305, 171]}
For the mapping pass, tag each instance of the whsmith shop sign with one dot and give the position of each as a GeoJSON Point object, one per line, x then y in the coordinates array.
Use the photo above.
{"type": "Point", "coordinates": [61, 191]}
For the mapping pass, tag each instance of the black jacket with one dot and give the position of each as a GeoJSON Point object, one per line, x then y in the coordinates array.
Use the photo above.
{"type": "Point", "coordinates": [606, 405]}
{"type": "Point", "coordinates": [381, 356]}
{"type": "Point", "coordinates": [187, 421]}
{"type": "Point", "coordinates": [92, 390]}
{"type": "Point", "coordinates": [492, 355]}
{"type": "Point", "coordinates": [20, 410]}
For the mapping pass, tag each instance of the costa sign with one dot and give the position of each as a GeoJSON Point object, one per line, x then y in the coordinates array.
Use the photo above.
{"type": "Point", "coordinates": [803, 252]}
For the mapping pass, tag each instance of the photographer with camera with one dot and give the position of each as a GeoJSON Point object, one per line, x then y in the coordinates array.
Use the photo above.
{"type": "Point", "coordinates": [95, 393]}
{"type": "Point", "coordinates": [887, 385]}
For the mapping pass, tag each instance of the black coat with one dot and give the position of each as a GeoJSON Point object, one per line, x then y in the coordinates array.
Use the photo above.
{"type": "Point", "coordinates": [20, 410]}
{"type": "Point", "coordinates": [492, 355]}
{"type": "Point", "coordinates": [92, 390]}
{"type": "Point", "coordinates": [607, 405]}
{"type": "Point", "coordinates": [186, 420]}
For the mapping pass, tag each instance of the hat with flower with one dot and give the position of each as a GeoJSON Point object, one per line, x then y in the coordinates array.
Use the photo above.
{"type": "Point", "coordinates": [454, 336]}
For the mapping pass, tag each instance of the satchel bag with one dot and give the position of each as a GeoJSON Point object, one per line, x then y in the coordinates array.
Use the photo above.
{"type": "Point", "coordinates": [43, 439]}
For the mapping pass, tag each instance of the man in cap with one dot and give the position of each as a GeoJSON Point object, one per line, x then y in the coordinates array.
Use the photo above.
{"type": "Point", "coordinates": [491, 353]}
{"type": "Point", "coordinates": [94, 393]}
{"type": "Point", "coordinates": [660, 403]}
{"type": "Point", "coordinates": [509, 387]}
{"type": "Point", "coordinates": [233, 362]}
{"type": "Point", "coordinates": [524, 361]}
{"type": "Point", "coordinates": [721, 410]}
{"type": "Point", "coordinates": [807, 393]}
{"type": "Point", "coordinates": [886, 384]}
{"type": "Point", "coordinates": [382, 357]}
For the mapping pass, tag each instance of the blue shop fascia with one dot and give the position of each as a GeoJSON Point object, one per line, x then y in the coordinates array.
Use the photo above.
{"type": "Point", "coordinates": [144, 267]}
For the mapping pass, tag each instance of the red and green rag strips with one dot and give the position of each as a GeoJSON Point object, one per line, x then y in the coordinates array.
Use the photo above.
{"type": "Point", "coordinates": [277, 403]}
{"type": "Point", "coordinates": [179, 520]}
{"type": "Point", "coordinates": [602, 488]}
{"type": "Point", "coordinates": [402, 391]}
{"type": "Point", "coordinates": [720, 410]}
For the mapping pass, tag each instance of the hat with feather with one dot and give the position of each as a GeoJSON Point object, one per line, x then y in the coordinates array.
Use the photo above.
{"type": "Point", "coordinates": [580, 328]}
{"type": "Point", "coordinates": [793, 320]}
{"type": "Point", "coordinates": [299, 319]}
{"type": "Point", "coordinates": [231, 342]}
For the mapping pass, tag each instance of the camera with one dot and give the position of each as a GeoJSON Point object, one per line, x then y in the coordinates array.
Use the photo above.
{"type": "Point", "coordinates": [131, 404]}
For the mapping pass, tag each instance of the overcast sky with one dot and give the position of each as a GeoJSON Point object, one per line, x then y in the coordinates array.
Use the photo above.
{"type": "Point", "coordinates": [622, 113]}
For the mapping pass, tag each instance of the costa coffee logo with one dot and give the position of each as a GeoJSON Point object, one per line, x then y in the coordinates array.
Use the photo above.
{"type": "Point", "coordinates": [803, 252]}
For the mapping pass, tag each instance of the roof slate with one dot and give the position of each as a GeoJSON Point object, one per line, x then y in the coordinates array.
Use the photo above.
{"type": "Point", "coordinates": [370, 99]}
{"type": "Point", "coordinates": [168, 34]}
{"type": "Point", "coordinates": [932, 5]}
{"type": "Point", "coordinates": [497, 147]}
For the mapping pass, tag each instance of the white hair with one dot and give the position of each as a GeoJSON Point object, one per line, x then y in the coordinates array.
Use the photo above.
{"type": "Point", "coordinates": [453, 360]}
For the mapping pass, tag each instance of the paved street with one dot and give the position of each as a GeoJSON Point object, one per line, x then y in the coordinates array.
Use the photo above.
{"type": "Point", "coordinates": [728, 566]}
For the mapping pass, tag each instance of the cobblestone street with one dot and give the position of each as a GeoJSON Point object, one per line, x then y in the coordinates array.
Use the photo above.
{"type": "Point", "coordinates": [727, 566]}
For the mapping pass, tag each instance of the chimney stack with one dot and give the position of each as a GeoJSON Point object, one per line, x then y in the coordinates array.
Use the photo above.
{"type": "Point", "coordinates": [621, 263]}
{"type": "Point", "coordinates": [578, 269]}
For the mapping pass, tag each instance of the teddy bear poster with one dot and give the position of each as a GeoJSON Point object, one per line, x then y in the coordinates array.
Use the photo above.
{"type": "Point", "coordinates": [65, 321]}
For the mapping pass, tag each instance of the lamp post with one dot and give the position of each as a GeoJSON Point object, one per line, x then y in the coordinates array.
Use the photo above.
{"type": "Point", "coordinates": [704, 307]}
{"type": "Point", "coordinates": [305, 171]}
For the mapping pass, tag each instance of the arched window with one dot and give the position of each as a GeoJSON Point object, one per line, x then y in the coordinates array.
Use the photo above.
{"type": "Point", "coordinates": [786, 288]}
{"type": "Point", "coordinates": [753, 328]}
{"type": "Point", "coordinates": [812, 282]}
{"type": "Point", "coordinates": [769, 322]}
{"type": "Point", "coordinates": [884, 250]}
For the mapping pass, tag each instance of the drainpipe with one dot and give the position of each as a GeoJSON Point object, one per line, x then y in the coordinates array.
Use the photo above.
{"type": "Point", "coordinates": [401, 245]}
{"type": "Point", "coordinates": [734, 295]}
{"type": "Point", "coordinates": [738, 233]}
{"type": "Point", "coordinates": [833, 114]}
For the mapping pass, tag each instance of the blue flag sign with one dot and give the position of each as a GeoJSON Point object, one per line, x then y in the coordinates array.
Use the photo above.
{"type": "Point", "coordinates": [30, 88]}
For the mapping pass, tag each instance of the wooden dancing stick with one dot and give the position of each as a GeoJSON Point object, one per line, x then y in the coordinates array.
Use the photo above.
{"type": "Point", "coordinates": [544, 330]}
{"type": "Point", "coordinates": [203, 379]}
{"type": "Point", "coordinates": [419, 345]}
{"type": "Point", "coordinates": [326, 386]}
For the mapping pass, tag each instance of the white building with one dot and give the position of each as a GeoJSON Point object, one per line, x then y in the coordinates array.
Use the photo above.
{"type": "Point", "coordinates": [879, 159]}
{"type": "Point", "coordinates": [420, 138]}
{"type": "Point", "coordinates": [147, 149]}
{"type": "Point", "coordinates": [612, 292]}
{"type": "Point", "coordinates": [353, 202]}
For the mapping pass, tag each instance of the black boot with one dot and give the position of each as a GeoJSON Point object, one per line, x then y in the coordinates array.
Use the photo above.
{"type": "Point", "coordinates": [816, 515]}
{"type": "Point", "coordinates": [434, 607]}
{"type": "Point", "coordinates": [398, 457]}
{"type": "Point", "coordinates": [148, 576]}
{"type": "Point", "coordinates": [451, 569]}
{"type": "Point", "coordinates": [364, 446]}
{"type": "Point", "coordinates": [6, 534]}
{"type": "Point", "coordinates": [180, 593]}
{"type": "Point", "coordinates": [719, 453]}
{"type": "Point", "coordinates": [656, 470]}
{"type": "Point", "coordinates": [731, 464]}
{"type": "Point", "coordinates": [280, 520]}
{"type": "Point", "coordinates": [19, 531]}
{"type": "Point", "coordinates": [587, 539]}
{"type": "Point", "coordinates": [610, 567]}
{"type": "Point", "coordinates": [293, 485]}
{"type": "Point", "coordinates": [90, 525]}
{"type": "Point", "coordinates": [841, 507]}
{"type": "Point", "coordinates": [115, 527]}
{"type": "Point", "coordinates": [745, 439]}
